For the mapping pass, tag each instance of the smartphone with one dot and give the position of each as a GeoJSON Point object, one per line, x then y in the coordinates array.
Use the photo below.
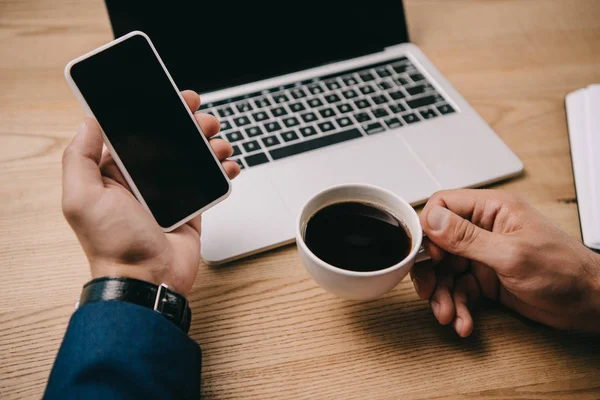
{"type": "Point", "coordinates": [149, 130]}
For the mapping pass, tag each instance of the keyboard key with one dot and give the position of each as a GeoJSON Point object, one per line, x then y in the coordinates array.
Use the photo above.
{"type": "Point", "coordinates": [298, 93]}
{"type": "Point", "coordinates": [262, 102]}
{"type": "Point", "coordinates": [397, 95]}
{"type": "Point", "coordinates": [332, 85]}
{"type": "Point", "coordinates": [279, 111]}
{"type": "Point", "coordinates": [289, 136]}
{"type": "Point", "coordinates": [244, 107]}
{"type": "Point", "coordinates": [393, 123]}
{"type": "Point", "coordinates": [240, 163]}
{"type": "Point", "coordinates": [260, 116]}
{"type": "Point", "coordinates": [280, 98]}
{"type": "Point", "coordinates": [236, 150]}
{"type": "Point", "coordinates": [308, 145]}
{"type": "Point", "coordinates": [251, 146]}
{"type": "Point", "coordinates": [362, 117]}
{"type": "Point", "coordinates": [419, 89]}
{"type": "Point", "coordinates": [308, 117]}
{"type": "Point", "coordinates": [373, 128]}
{"type": "Point", "coordinates": [384, 85]}
{"type": "Point", "coordinates": [383, 72]}
{"type": "Point", "coordinates": [362, 103]}
{"type": "Point", "coordinates": [379, 99]}
{"type": "Point", "coordinates": [344, 121]}
{"type": "Point", "coordinates": [308, 131]}
{"type": "Point", "coordinates": [445, 109]}
{"type": "Point", "coordinates": [272, 126]}
{"type": "Point", "coordinates": [410, 118]}
{"type": "Point", "coordinates": [291, 122]}
{"type": "Point", "coordinates": [253, 131]}
{"type": "Point", "coordinates": [366, 76]}
{"type": "Point", "coordinates": [400, 81]}
{"type": "Point", "coordinates": [297, 107]}
{"type": "Point", "coordinates": [225, 125]}
{"type": "Point", "coordinates": [225, 112]}
{"type": "Point", "coordinates": [332, 98]}
{"type": "Point", "coordinates": [233, 136]}
{"type": "Point", "coordinates": [270, 141]}
{"type": "Point", "coordinates": [416, 77]}
{"type": "Point", "coordinates": [428, 113]}
{"type": "Point", "coordinates": [397, 108]}
{"type": "Point", "coordinates": [349, 94]}
{"type": "Point", "coordinates": [315, 89]}
{"type": "Point", "coordinates": [402, 68]}
{"type": "Point", "coordinates": [256, 159]}
{"type": "Point", "coordinates": [349, 80]}
{"type": "Point", "coordinates": [326, 126]}
{"type": "Point", "coordinates": [424, 101]}
{"type": "Point", "coordinates": [327, 112]}
{"type": "Point", "coordinates": [314, 103]}
{"type": "Point", "coordinates": [241, 121]}
{"type": "Point", "coordinates": [380, 112]}
{"type": "Point", "coordinates": [368, 89]}
{"type": "Point", "coordinates": [344, 108]}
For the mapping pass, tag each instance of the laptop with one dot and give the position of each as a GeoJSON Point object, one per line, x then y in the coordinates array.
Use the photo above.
{"type": "Point", "coordinates": [313, 94]}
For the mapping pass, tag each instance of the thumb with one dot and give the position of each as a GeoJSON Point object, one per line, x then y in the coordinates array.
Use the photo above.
{"type": "Point", "coordinates": [81, 174]}
{"type": "Point", "coordinates": [459, 236]}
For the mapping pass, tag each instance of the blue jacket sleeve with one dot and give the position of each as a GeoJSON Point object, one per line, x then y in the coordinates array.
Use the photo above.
{"type": "Point", "coordinates": [118, 350]}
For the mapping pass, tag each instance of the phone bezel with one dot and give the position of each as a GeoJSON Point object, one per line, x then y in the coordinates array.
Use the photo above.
{"type": "Point", "coordinates": [112, 151]}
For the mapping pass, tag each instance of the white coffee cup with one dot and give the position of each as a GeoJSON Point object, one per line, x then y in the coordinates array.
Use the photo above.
{"type": "Point", "coordinates": [356, 285]}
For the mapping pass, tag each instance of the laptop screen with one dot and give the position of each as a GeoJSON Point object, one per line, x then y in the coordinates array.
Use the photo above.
{"type": "Point", "coordinates": [210, 45]}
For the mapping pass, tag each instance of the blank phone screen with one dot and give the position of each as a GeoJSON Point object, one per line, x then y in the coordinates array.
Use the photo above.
{"type": "Point", "coordinates": [150, 129]}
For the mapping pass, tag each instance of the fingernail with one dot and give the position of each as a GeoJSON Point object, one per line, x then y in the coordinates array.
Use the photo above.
{"type": "Point", "coordinates": [438, 218]}
{"type": "Point", "coordinates": [416, 285]}
{"type": "Point", "coordinates": [458, 325]}
{"type": "Point", "coordinates": [435, 306]}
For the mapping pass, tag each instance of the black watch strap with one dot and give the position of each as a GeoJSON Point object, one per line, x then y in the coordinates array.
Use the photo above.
{"type": "Point", "coordinates": [159, 298]}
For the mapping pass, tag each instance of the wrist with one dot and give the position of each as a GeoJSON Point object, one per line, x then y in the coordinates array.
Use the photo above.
{"type": "Point", "coordinates": [142, 272]}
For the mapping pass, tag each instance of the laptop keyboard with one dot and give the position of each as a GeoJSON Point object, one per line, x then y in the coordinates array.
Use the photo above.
{"type": "Point", "coordinates": [288, 120]}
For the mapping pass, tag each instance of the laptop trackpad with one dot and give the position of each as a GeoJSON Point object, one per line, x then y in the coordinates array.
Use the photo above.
{"type": "Point", "coordinates": [383, 160]}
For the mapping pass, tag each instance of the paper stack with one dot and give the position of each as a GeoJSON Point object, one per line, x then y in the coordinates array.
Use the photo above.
{"type": "Point", "coordinates": [583, 117]}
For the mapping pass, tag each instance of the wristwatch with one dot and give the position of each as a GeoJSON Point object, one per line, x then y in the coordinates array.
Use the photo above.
{"type": "Point", "coordinates": [159, 298]}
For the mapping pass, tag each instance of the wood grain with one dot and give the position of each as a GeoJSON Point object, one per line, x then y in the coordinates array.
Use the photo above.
{"type": "Point", "coordinates": [267, 331]}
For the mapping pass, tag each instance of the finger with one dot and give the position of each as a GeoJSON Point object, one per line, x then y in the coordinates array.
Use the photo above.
{"type": "Point", "coordinates": [221, 148]}
{"type": "Point", "coordinates": [109, 169]}
{"type": "Point", "coordinates": [487, 278]}
{"type": "Point", "coordinates": [196, 224]}
{"type": "Point", "coordinates": [81, 175]}
{"type": "Point", "coordinates": [456, 235]}
{"type": "Point", "coordinates": [231, 168]}
{"type": "Point", "coordinates": [192, 99]}
{"type": "Point", "coordinates": [459, 265]}
{"type": "Point", "coordinates": [466, 289]}
{"type": "Point", "coordinates": [441, 301]}
{"type": "Point", "coordinates": [423, 278]}
{"type": "Point", "coordinates": [434, 251]}
{"type": "Point", "coordinates": [210, 125]}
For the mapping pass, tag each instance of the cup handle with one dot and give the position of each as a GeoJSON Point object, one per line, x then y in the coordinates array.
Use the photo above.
{"type": "Point", "coordinates": [422, 253]}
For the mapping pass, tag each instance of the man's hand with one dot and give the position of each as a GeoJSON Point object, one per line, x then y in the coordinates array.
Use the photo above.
{"type": "Point", "coordinates": [492, 244]}
{"type": "Point", "coordinates": [118, 235]}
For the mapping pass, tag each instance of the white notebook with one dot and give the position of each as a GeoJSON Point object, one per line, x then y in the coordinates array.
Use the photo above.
{"type": "Point", "coordinates": [583, 117]}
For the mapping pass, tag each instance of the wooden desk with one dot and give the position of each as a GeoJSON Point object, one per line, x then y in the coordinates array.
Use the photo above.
{"type": "Point", "coordinates": [267, 331]}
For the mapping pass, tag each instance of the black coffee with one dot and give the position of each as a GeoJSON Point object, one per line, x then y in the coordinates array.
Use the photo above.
{"type": "Point", "coordinates": [357, 237]}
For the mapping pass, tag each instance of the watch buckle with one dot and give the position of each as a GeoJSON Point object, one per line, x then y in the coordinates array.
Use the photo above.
{"type": "Point", "coordinates": [160, 297]}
